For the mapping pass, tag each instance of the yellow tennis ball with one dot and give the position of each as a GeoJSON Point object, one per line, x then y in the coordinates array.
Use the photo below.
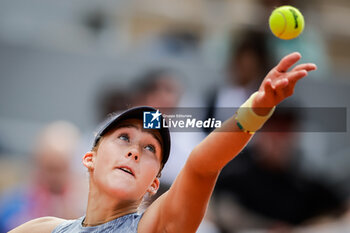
{"type": "Point", "coordinates": [286, 22]}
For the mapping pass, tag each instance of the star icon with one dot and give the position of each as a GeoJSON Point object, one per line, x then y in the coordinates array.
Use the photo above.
{"type": "Point", "coordinates": [155, 115]}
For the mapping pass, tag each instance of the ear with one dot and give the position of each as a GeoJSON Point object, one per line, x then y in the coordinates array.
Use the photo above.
{"type": "Point", "coordinates": [153, 188]}
{"type": "Point", "coordinates": [88, 160]}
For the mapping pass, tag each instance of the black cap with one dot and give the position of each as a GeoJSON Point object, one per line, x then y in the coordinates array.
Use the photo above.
{"type": "Point", "coordinates": [137, 113]}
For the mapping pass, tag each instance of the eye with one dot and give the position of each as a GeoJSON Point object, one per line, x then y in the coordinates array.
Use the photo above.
{"type": "Point", "coordinates": [150, 148]}
{"type": "Point", "coordinates": [124, 137]}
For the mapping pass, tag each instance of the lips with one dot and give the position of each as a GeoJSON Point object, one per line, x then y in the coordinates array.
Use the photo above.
{"type": "Point", "coordinates": [126, 169]}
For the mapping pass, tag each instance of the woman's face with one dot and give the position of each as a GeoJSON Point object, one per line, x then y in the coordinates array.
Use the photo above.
{"type": "Point", "coordinates": [127, 161]}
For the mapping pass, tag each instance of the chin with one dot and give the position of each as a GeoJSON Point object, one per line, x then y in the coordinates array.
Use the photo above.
{"type": "Point", "coordinates": [123, 190]}
{"type": "Point", "coordinates": [125, 194]}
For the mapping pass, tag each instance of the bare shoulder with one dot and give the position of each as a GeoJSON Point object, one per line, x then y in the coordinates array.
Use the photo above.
{"type": "Point", "coordinates": [153, 219]}
{"type": "Point", "coordinates": [42, 225]}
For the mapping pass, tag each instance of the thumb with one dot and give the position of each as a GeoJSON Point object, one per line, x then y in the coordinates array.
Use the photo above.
{"type": "Point", "coordinates": [268, 89]}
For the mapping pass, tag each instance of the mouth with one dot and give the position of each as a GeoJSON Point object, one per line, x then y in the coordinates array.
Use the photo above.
{"type": "Point", "coordinates": [126, 170]}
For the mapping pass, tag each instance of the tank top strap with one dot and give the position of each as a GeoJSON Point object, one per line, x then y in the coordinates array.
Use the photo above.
{"type": "Point", "coordinates": [124, 224]}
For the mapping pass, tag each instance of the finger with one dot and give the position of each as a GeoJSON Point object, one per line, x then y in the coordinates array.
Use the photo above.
{"type": "Point", "coordinates": [306, 66]}
{"type": "Point", "coordinates": [268, 87]}
{"type": "Point", "coordinates": [280, 84]}
{"type": "Point", "coordinates": [288, 61]}
{"type": "Point", "coordinates": [294, 76]}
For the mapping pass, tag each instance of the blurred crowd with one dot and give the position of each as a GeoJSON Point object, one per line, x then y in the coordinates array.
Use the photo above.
{"type": "Point", "coordinates": [274, 185]}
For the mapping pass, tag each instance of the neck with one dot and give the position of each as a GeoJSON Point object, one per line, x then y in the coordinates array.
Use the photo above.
{"type": "Point", "coordinates": [103, 208]}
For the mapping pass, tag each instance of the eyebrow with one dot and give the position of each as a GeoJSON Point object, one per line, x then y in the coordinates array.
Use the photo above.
{"type": "Point", "coordinates": [127, 125]}
{"type": "Point", "coordinates": [155, 136]}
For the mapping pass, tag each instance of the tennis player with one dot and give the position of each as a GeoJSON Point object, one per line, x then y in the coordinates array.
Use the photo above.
{"type": "Point", "coordinates": [126, 161]}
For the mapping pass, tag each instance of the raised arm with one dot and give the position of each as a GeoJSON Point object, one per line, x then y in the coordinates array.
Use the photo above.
{"type": "Point", "coordinates": [183, 206]}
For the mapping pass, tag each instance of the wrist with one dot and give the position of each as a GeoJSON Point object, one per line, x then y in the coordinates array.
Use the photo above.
{"type": "Point", "coordinates": [259, 106]}
{"type": "Point", "coordinates": [251, 118]}
{"type": "Point", "coordinates": [262, 111]}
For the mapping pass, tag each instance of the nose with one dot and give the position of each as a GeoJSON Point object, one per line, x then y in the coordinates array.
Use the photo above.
{"type": "Point", "coordinates": [133, 154]}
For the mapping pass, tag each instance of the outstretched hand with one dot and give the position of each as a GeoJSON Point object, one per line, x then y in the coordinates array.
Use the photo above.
{"type": "Point", "coordinates": [279, 83]}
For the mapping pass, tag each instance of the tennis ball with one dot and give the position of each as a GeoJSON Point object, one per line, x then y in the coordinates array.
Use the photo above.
{"type": "Point", "coordinates": [286, 22]}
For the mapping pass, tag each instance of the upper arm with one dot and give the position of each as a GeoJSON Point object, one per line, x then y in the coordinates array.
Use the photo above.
{"type": "Point", "coordinates": [184, 205]}
{"type": "Point", "coordinates": [39, 225]}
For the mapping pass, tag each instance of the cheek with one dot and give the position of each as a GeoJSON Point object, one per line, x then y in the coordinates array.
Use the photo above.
{"type": "Point", "coordinates": [104, 161]}
{"type": "Point", "coordinates": [101, 163]}
{"type": "Point", "coordinates": [149, 169]}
